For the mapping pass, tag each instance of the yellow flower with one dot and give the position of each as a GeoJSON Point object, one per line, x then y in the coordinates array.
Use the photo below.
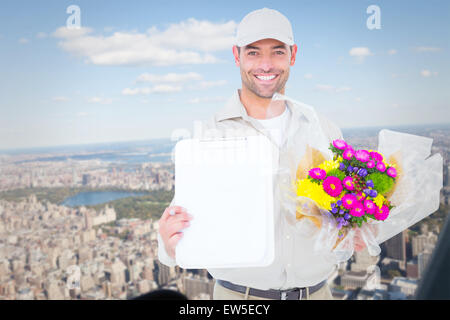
{"type": "Point", "coordinates": [314, 191]}
{"type": "Point", "coordinates": [379, 200]}
{"type": "Point", "coordinates": [329, 165]}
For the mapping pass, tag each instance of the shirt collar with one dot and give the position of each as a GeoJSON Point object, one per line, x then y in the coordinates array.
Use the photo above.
{"type": "Point", "coordinates": [235, 109]}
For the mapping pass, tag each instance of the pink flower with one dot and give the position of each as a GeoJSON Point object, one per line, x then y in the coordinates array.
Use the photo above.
{"type": "Point", "coordinates": [370, 206]}
{"type": "Point", "coordinates": [317, 173]}
{"type": "Point", "coordinates": [391, 172]}
{"type": "Point", "coordinates": [348, 201]}
{"type": "Point", "coordinates": [358, 210]}
{"type": "Point", "coordinates": [333, 186]}
{"type": "Point", "coordinates": [340, 144]}
{"type": "Point", "coordinates": [370, 164]}
{"type": "Point", "coordinates": [381, 167]}
{"type": "Point", "coordinates": [383, 213]}
{"type": "Point", "coordinates": [348, 154]}
{"type": "Point", "coordinates": [376, 156]}
{"type": "Point", "coordinates": [348, 183]}
{"type": "Point", "coordinates": [360, 196]}
{"type": "Point", "coordinates": [362, 155]}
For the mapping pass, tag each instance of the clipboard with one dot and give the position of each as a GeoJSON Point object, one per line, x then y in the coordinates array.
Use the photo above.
{"type": "Point", "coordinates": [226, 184]}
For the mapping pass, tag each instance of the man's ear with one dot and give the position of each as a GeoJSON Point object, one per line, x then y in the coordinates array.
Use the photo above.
{"type": "Point", "coordinates": [236, 56]}
{"type": "Point", "coordinates": [293, 54]}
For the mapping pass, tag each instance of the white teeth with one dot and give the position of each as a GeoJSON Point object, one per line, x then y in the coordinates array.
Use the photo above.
{"type": "Point", "coordinates": [265, 77]}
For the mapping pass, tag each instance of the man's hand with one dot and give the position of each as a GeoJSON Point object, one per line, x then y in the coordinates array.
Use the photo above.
{"type": "Point", "coordinates": [173, 220]}
{"type": "Point", "coordinates": [359, 243]}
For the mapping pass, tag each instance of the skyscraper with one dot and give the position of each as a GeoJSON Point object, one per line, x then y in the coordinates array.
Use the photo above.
{"type": "Point", "coordinates": [396, 248]}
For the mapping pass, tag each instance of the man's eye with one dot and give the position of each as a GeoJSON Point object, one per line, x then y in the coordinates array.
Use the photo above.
{"type": "Point", "coordinates": [252, 53]}
{"type": "Point", "coordinates": [280, 52]}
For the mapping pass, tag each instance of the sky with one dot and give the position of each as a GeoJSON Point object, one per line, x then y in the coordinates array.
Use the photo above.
{"type": "Point", "coordinates": [137, 70]}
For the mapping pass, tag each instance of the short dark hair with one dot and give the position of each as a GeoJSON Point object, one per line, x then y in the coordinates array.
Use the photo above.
{"type": "Point", "coordinates": [239, 49]}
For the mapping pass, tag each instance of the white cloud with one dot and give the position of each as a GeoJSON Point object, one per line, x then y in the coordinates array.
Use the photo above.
{"type": "Point", "coordinates": [82, 114]}
{"type": "Point", "coordinates": [329, 88]}
{"type": "Point", "coordinates": [41, 35]}
{"type": "Point", "coordinates": [162, 88]}
{"type": "Point", "coordinates": [23, 40]}
{"type": "Point", "coordinates": [428, 73]}
{"type": "Point", "coordinates": [209, 84]}
{"type": "Point", "coordinates": [186, 42]}
{"type": "Point", "coordinates": [427, 49]}
{"type": "Point", "coordinates": [100, 100]}
{"type": "Point", "coordinates": [308, 76]}
{"type": "Point", "coordinates": [360, 53]}
{"type": "Point", "coordinates": [206, 99]}
{"type": "Point", "coordinates": [343, 89]}
{"type": "Point", "coordinates": [170, 77]}
{"type": "Point", "coordinates": [392, 52]}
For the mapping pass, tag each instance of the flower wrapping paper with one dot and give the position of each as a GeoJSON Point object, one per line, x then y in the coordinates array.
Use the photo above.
{"type": "Point", "coordinates": [415, 195]}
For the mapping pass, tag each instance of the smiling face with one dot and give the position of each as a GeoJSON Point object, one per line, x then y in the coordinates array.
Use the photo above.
{"type": "Point", "coordinates": [264, 66]}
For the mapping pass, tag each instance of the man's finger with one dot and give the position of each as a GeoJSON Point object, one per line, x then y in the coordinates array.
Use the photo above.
{"type": "Point", "coordinates": [177, 227]}
{"type": "Point", "coordinates": [171, 211]}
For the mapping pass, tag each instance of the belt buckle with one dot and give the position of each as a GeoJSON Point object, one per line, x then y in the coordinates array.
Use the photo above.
{"type": "Point", "coordinates": [285, 293]}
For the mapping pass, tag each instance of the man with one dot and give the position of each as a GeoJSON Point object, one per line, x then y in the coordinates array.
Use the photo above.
{"type": "Point", "coordinates": [264, 52]}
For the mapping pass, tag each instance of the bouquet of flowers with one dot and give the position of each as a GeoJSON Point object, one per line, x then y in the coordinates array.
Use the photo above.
{"type": "Point", "coordinates": [351, 188]}
{"type": "Point", "coordinates": [330, 192]}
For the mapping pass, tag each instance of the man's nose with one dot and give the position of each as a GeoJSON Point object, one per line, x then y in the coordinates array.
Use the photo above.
{"type": "Point", "coordinates": [266, 64]}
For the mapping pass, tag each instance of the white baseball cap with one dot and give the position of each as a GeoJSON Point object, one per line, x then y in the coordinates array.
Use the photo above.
{"type": "Point", "coordinates": [264, 24]}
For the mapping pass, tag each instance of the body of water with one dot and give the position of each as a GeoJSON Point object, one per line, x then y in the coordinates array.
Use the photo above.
{"type": "Point", "coordinates": [97, 197]}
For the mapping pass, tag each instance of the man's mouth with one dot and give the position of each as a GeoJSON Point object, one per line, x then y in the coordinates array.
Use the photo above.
{"type": "Point", "coordinates": [266, 78]}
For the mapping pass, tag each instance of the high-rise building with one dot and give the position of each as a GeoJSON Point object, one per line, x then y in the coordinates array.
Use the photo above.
{"type": "Point", "coordinates": [194, 286]}
{"type": "Point", "coordinates": [423, 241]}
{"type": "Point", "coordinates": [423, 259]}
{"type": "Point", "coordinates": [396, 247]}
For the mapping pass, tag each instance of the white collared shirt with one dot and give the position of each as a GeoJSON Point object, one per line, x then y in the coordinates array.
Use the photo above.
{"type": "Point", "coordinates": [277, 126]}
{"type": "Point", "coordinates": [295, 263]}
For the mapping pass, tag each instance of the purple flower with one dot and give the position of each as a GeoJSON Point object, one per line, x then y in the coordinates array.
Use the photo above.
{"type": "Point", "coordinates": [347, 216]}
{"type": "Point", "coordinates": [362, 172]}
{"type": "Point", "coordinates": [391, 172]}
{"type": "Point", "coordinates": [339, 203]}
{"type": "Point", "coordinates": [340, 144]}
{"type": "Point", "coordinates": [369, 183]}
{"type": "Point", "coordinates": [373, 193]}
{"type": "Point", "coordinates": [334, 210]}
{"type": "Point", "coordinates": [355, 169]}
{"type": "Point", "coordinates": [342, 166]}
{"type": "Point", "coordinates": [362, 155]}
{"type": "Point", "coordinates": [350, 168]}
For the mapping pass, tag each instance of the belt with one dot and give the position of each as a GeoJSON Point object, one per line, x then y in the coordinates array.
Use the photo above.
{"type": "Point", "coordinates": [288, 294]}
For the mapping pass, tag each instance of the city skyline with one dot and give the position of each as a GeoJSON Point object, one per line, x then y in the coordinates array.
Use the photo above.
{"type": "Point", "coordinates": [140, 71]}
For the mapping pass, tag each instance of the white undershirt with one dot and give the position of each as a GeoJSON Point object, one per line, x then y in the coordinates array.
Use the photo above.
{"type": "Point", "coordinates": [276, 126]}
